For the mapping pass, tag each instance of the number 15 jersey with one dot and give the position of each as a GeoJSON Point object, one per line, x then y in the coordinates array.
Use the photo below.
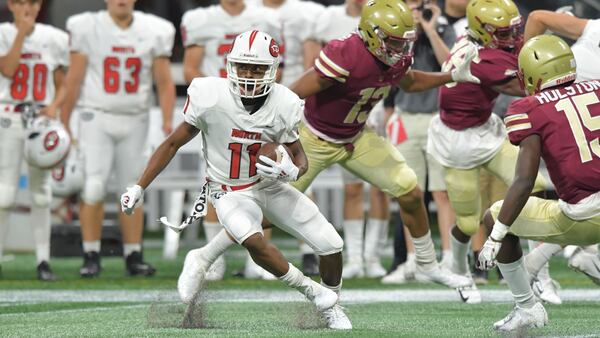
{"type": "Point", "coordinates": [43, 51]}
{"type": "Point", "coordinates": [118, 78]}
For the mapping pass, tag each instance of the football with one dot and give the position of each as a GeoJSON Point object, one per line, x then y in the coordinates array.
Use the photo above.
{"type": "Point", "coordinates": [270, 150]}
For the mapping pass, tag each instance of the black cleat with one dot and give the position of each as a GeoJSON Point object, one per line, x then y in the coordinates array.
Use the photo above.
{"type": "Point", "coordinates": [310, 265]}
{"type": "Point", "coordinates": [91, 265]}
{"type": "Point", "coordinates": [44, 273]}
{"type": "Point", "coordinates": [135, 265]}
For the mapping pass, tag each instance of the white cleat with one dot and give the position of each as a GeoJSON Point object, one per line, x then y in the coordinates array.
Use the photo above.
{"type": "Point", "coordinates": [586, 263]}
{"type": "Point", "coordinates": [521, 318]}
{"type": "Point", "coordinates": [193, 274]}
{"type": "Point", "coordinates": [470, 294]}
{"type": "Point", "coordinates": [352, 270]}
{"type": "Point", "coordinates": [549, 292]}
{"type": "Point", "coordinates": [336, 318]}
{"type": "Point", "coordinates": [396, 277]}
{"type": "Point", "coordinates": [216, 271]}
{"type": "Point", "coordinates": [374, 270]}
{"type": "Point", "coordinates": [433, 273]}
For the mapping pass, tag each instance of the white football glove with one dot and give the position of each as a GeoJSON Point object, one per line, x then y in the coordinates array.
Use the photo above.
{"type": "Point", "coordinates": [491, 247]}
{"type": "Point", "coordinates": [285, 171]}
{"type": "Point", "coordinates": [462, 72]}
{"type": "Point", "coordinates": [131, 198]}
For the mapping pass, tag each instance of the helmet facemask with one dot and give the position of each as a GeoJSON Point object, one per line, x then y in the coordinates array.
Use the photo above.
{"type": "Point", "coordinates": [510, 37]}
{"type": "Point", "coordinates": [393, 50]}
{"type": "Point", "coordinates": [250, 87]}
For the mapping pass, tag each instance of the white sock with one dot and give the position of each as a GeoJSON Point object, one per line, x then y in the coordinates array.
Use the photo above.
{"type": "Point", "coordinates": [538, 257]}
{"type": "Point", "coordinates": [211, 229]}
{"type": "Point", "coordinates": [128, 248]}
{"type": "Point", "coordinates": [335, 289]}
{"type": "Point", "coordinates": [40, 222]}
{"type": "Point", "coordinates": [305, 249]}
{"type": "Point", "coordinates": [518, 282]}
{"type": "Point", "coordinates": [89, 246]}
{"type": "Point", "coordinates": [446, 254]}
{"type": "Point", "coordinates": [353, 240]}
{"type": "Point", "coordinates": [460, 250]}
{"type": "Point", "coordinates": [424, 250]}
{"type": "Point", "coordinates": [373, 241]}
{"type": "Point", "coordinates": [4, 213]}
{"type": "Point", "coordinates": [296, 279]}
{"type": "Point", "coordinates": [216, 246]}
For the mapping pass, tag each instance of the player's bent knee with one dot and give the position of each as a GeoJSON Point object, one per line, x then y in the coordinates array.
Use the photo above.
{"type": "Point", "coordinates": [8, 196]}
{"type": "Point", "coordinates": [468, 224]}
{"type": "Point", "coordinates": [41, 199]}
{"type": "Point", "coordinates": [93, 190]}
{"type": "Point", "coordinates": [411, 200]}
{"type": "Point", "coordinates": [404, 183]}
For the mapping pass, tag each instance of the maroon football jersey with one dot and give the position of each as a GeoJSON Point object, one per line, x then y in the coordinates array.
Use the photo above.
{"type": "Point", "coordinates": [466, 105]}
{"type": "Point", "coordinates": [568, 122]}
{"type": "Point", "coordinates": [340, 111]}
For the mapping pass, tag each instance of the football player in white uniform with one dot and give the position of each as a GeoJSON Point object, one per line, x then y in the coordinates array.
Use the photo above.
{"type": "Point", "coordinates": [332, 23]}
{"type": "Point", "coordinates": [587, 53]}
{"type": "Point", "coordinates": [207, 37]}
{"type": "Point", "coordinates": [32, 64]}
{"type": "Point", "coordinates": [115, 53]}
{"type": "Point", "coordinates": [235, 117]}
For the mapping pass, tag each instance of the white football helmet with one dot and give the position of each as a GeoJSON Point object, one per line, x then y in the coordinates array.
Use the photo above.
{"type": "Point", "coordinates": [257, 48]}
{"type": "Point", "coordinates": [47, 143]}
{"type": "Point", "coordinates": [68, 177]}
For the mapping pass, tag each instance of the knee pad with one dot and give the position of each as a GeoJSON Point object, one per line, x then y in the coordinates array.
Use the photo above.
{"type": "Point", "coordinates": [93, 190]}
{"type": "Point", "coordinates": [319, 234]}
{"type": "Point", "coordinates": [8, 194]}
{"type": "Point", "coordinates": [41, 198]}
{"type": "Point", "coordinates": [468, 224]}
{"type": "Point", "coordinates": [405, 181]}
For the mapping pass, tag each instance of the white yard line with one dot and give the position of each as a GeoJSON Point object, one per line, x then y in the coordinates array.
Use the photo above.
{"type": "Point", "coordinates": [348, 296]}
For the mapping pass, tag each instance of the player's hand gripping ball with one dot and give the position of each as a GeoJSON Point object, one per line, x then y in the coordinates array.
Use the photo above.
{"type": "Point", "coordinates": [275, 162]}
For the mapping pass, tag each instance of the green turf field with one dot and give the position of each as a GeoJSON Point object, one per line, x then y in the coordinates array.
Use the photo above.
{"type": "Point", "coordinates": [115, 305]}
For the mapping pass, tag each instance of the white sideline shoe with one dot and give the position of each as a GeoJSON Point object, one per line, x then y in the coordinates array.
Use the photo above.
{"type": "Point", "coordinates": [396, 277]}
{"type": "Point", "coordinates": [255, 271]}
{"type": "Point", "coordinates": [520, 318]}
{"type": "Point", "coordinates": [192, 275]}
{"type": "Point", "coordinates": [470, 294]}
{"type": "Point", "coordinates": [374, 270]}
{"type": "Point", "coordinates": [433, 273]}
{"type": "Point", "coordinates": [336, 318]}
{"type": "Point", "coordinates": [586, 263]}
{"type": "Point", "coordinates": [217, 270]}
{"type": "Point", "coordinates": [352, 270]}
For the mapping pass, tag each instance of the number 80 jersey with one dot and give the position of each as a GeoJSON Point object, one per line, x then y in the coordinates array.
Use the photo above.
{"type": "Point", "coordinates": [44, 50]}
{"type": "Point", "coordinates": [118, 78]}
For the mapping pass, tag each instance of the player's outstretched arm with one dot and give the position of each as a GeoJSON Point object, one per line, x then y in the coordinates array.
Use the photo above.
{"type": "Point", "coordinates": [165, 152]}
{"type": "Point", "coordinates": [560, 23]}
{"type": "Point", "coordinates": [309, 84]}
{"type": "Point", "coordinates": [77, 68]}
{"type": "Point", "coordinates": [192, 60]}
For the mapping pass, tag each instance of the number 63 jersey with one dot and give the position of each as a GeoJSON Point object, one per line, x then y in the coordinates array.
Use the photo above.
{"type": "Point", "coordinates": [567, 120]}
{"type": "Point", "coordinates": [231, 135]}
{"type": "Point", "coordinates": [119, 71]}
{"type": "Point", "coordinates": [44, 51]}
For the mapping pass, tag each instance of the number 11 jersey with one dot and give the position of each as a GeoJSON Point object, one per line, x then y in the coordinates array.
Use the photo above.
{"type": "Point", "coordinates": [43, 51]}
{"type": "Point", "coordinates": [118, 78]}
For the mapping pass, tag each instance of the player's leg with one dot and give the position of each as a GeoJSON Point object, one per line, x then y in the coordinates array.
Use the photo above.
{"type": "Point", "coordinates": [129, 163]}
{"type": "Point", "coordinates": [39, 187]}
{"type": "Point", "coordinates": [445, 214]}
{"type": "Point", "coordinates": [98, 152]}
{"type": "Point", "coordinates": [353, 225]}
{"type": "Point", "coordinates": [376, 233]}
{"type": "Point", "coordinates": [376, 161]}
{"type": "Point", "coordinates": [11, 155]}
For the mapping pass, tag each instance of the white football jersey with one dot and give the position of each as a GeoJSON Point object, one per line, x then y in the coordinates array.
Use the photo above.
{"type": "Point", "coordinates": [296, 21]}
{"type": "Point", "coordinates": [118, 78]}
{"type": "Point", "coordinates": [231, 135]}
{"type": "Point", "coordinates": [333, 23]}
{"type": "Point", "coordinates": [215, 29]}
{"type": "Point", "coordinates": [46, 49]}
{"type": "Point", "coordinates": [587, 52]}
